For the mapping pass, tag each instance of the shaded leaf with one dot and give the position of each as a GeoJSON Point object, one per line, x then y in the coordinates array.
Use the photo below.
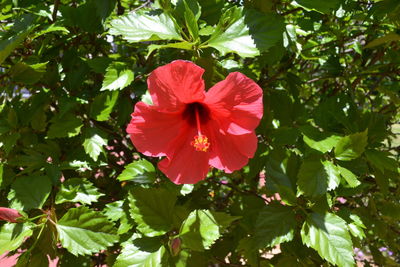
{"type": "Point", "coordinates": [152, 209]}
{"type": "Point", "coordinates": [67, 125]}
{"type": "Point", "coordinates": [29, 192]}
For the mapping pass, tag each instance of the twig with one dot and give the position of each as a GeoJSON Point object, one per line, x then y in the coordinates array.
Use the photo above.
{"type": "Point", "coordinates": [55, 10]}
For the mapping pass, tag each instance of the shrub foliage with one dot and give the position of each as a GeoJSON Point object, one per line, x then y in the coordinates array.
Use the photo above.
{"type": "Point", "coordinates": [323, 187]}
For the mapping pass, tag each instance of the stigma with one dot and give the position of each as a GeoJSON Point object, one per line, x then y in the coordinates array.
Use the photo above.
{"type": "Point", "coordinates": [200, 143]}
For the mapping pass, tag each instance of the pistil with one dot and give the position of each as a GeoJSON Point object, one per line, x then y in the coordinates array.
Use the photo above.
{"type": "Point", "coordinates": [200, 142]}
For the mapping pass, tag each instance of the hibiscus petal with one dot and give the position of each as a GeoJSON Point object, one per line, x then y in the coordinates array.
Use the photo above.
{"type": "Point", "coordinates": [231, 152]}
{"type": "Point", "coordinates": [236, 103]}
{"type": "Point", "coordinates": [176, 83]}
{"type": "Point", "coordinates": [186, 165]}
{"type": "Point", "coordinates": [152, 131]}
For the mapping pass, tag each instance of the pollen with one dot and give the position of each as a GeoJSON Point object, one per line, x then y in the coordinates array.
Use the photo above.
{"type": "Point", "coordinates": [200, 143]}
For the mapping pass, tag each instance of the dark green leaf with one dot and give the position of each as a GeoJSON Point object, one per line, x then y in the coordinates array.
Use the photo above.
{"type": "Point", "coordinates": [102, 105]}
{"type": "Point", "coordinates": [152, 209]}
{"type": "Point", "coordinates": [67, 125]}
{"type": "Point", "coordinates": [29, 192]}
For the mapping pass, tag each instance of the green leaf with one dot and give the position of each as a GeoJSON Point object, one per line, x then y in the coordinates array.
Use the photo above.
{"type": "Point", "coordinates": [137, 27]}
{"type": "Point", "coordinates": [103, 105]}
{"type": "Point", "coordinates": [246, 32]}
{"type": "Point", "coordinates": [351, 146]}
{"type": "Point", "coordinates": [141, 252]}
{"type": "Point", "coordinates": [29, 74]}
{"type": "Point", "coordinates": [180, 45]}
{"type": "Point", "coordinates": [152, 209]}
{"type": "Point", "coordinates": [83, 231]}
{"type": "Point", "coordinates": [191, 20]}
{"type": "Point", "coordinates": [117, 211]}
{"type": "Point", "coordinates": [202, 228]}
{"type": "Point", "coordinates": [8, 45]}
{"type": "Point", "coordinates": [316, 177]}
{"type": "Point", "coordinates": [1, 174]}
{"type": "Point", "coordinates": [117, 77]}
{"type": "Point", "coordinates": [350, 177]}
{"type": "Point", "coordinates": [328, 235]}
{"type": "Point", "coordinates": [78, 190]}
{"type": "Point", "coordinates": [67, 125]}
{"type": "Point", "coordinates": [141, 171]}
{"type": "Point", "coordinates": [94, 142]}
{"type": "Point", "coordinates": [320, 6]}
{"type": "Point", "coordinates": [381, 160]}
{"type": "Point", "coordinates": [318, 140]}
{"type": "Point", "coordinates": [275, 224]}
{"type": "Point", "coordinates": [387, 38]}
{"type": "Point", "coordinates": [12, 235]}
{"type": "Point", "coordinates": [29, 192]}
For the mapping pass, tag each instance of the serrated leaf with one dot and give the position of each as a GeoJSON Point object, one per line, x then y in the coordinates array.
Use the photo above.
{"type": "Point", "coordinates": [12, 235]}
{"type": "Point", "coordinates": [152, 209]}
{"type": "Point", "coordinates": [137, 27]}
{"type": "Point", "coordinates": [83, 231]}
{"type": "Point", "coordinates": [328, 235]}
{"type": "Point", "coordinates": [29, 192]}
{"type": "Point", "coordinates": [141, 171]}
{"type": "Point", "coordinates": [381, 160]}
{"type": "Point", "coordinates": [275, 224]}
{"type": "Point", "coordinates": [316, 177]}
{"type": "Point", "coordinates": [140, 252]}
{"type": "Point", "coordinates": [67, 125]}
{"type": "Point", "coordinates": [320, 6]}
{"type": "Point", "coordinates": [78, 190]}
{"type": "Point", "coordinates": [351, 146]}
{"type": "Point", "coordinates": [9, 44]}
{"type": "Point", "coordinates": [29, 74]}
{"type": "Point", "coordinates": [103, 105]}
{"type": "Point", "coordinates": [202, 228]}
{"type": "Point", "coordinates": [246, 33]}
{"type": "Point", "coordinates": [350, 177]}
{"type": "Point", "coordinates": [117, 77]}
{"type": "Point", "coordinates": [93, 143]}
{"type": "Point", "coordinates": [324, 145]}
{"type": "Point", "coordinates": [117, 211]}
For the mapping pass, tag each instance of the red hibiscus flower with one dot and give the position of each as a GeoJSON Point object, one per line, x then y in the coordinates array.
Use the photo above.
{"type": "Point", "coordinates": [195, 129]}
{"type": "Point", "coordinates": [9, 215]}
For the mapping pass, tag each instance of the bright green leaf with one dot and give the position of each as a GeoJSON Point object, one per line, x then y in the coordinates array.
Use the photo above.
{"type": "Point", "coordinates": [327, 234]}
{"type": "Point", "coordinates": [351, 146]}
{"type": "Point", "coordinates": [12, 235]}
{"type": "Point", "coordinates": [118, 211]}
{"type": "Point", "coordinates": [94, 142]}
{"type": "Point", "coordinates": [141, 171]}
{"type": "Point", "coordinates": [140, 252]}
{"type": "Point", "coordinates": [117, 77]}
{"type": "Point", "coordinates": [137, 27]}
{"type": "Point", "coordinates": [324, 145]}
{"type": "Point", "coordinates": [83, 231]}
{"type": "Point", "coordinates": [350, 177]}
{"type": "Point", "coordinates": [78, 190]}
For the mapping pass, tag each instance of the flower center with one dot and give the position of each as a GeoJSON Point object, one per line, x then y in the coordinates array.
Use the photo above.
{"type": "Point", "coordinates": [200, 141]}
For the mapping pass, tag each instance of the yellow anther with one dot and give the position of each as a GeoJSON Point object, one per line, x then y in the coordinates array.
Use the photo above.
{"type": "Point", "coordinates": [200, 143]}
